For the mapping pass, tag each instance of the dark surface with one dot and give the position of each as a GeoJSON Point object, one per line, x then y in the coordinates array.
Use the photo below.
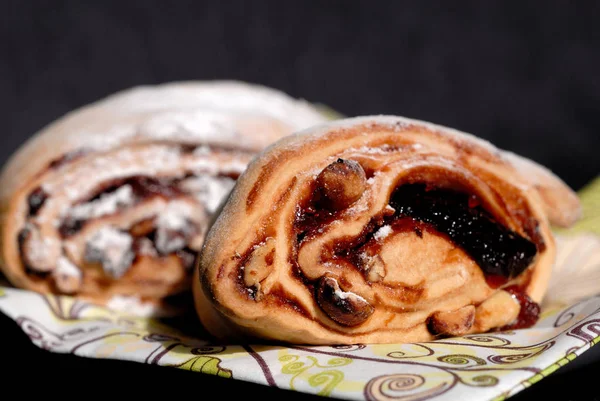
{"type": "Point", "coordinates": [523, 75]}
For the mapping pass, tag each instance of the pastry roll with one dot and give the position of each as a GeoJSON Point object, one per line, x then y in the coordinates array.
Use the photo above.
{"type": "Point", "coordinates": [111, 202]}
{"type": "Point", "coordinates": [381, 230]}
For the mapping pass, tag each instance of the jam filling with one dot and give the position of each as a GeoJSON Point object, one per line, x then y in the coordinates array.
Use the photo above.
{"type": "Point", "coordinates": [500, 253]}
{"type": "Point", "coordinates": [67, 158]}
{"type": "Point", "coordinates": [36, 200]}
{"type": "Point", "coordinates": [187, 256]}
{"type": "Point", "coordinates": [143, 187]}
{"type": "Point", "coordinates": [529, 313]}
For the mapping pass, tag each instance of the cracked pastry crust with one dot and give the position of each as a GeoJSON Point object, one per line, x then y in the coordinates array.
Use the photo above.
{"type": "Point", "coordinates": [113, 200]}
{"type": "Point", "coordinates": [381, 229]}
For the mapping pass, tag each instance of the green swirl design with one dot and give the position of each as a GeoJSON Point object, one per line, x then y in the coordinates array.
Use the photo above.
{"type": "Point", "coordinates": [206, 364]}
{"type": "Point", "coordinates": [461, 359]}
{"type": "Point", "coordinates": [485, 380]}
{"type": "Point", "coordinates": [338, 362]}
{"type": "Point", "coordinates": [507, 359]}
{"type": "Point", "coordinates": [329, 378]}
{"type": "Point", "coordinates": [292, 367]}
{"type": "Point", "coordinates": [476, 379]}
{"type": "Point", "coordinates": [488, 340]}
{"type": "Point", "coordinates": [287, 358]}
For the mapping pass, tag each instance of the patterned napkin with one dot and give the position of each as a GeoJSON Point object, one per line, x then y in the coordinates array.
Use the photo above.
{"type": "Point", "coordinates": [477, 367]}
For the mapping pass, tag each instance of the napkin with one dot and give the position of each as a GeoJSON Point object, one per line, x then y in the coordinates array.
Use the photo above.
{"type": "Point", "coordinates": [491, 366]}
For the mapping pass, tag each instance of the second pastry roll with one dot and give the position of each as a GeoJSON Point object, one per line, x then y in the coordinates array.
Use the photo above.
{"type": "Point", "coordinates": [111, 202]}
{"type": "Point", "coordinates": [380, 230]}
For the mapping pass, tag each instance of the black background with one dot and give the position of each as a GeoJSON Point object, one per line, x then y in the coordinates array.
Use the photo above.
{"type": "Point", "coordinates": [523, 74]}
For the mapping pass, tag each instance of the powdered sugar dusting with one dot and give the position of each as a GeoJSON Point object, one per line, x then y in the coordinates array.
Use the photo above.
{"type": "Point", "coordinates": [205, 165]}
{"type": "Point", "coordinates": [173, 227]}
{"type": "Point", "coordinates": [209, 191]}
{"type": "Point", "coordinates": [105, 205]}
{"type": "Point", "coordinates": [65, 267]}
{"type": "Point", "coordinates": [40, 252]}
{"type": "Point", "coordinates": [132, 305]}
{"type": "Point", "coordinates": [175, 215]}
{"type": "Point", "coordinates": [203, 150]}
{"type": "Point", "coordinates": [374, 150]}
{"type": "Point", "coordinates": [146, 247]}
{"type": "Point", "coordinates": [398, 124]}
{"type": "Point", "coordinates": [365, 258]}
{"type": "Point", "coordinates": [39, 249]}
{"type": "Point", "coordinates": [527, 168]}
{"type": "Point", "coordinates": [382, 233]}
{"type": "Point", "coordinates": [112, 248]}
{"type": "Point", "coordinates": [343, 295]}
{"type": "Point", "coordinates": [155, 160]}
{"type": "Point", "coordinates": [150, 160]}
{"type": "Point", "coordinates": [235, 97]}
{"type": "Point", "coordinates": [192, 112]}
{"type": "Point", "coordinates": [195, 124]}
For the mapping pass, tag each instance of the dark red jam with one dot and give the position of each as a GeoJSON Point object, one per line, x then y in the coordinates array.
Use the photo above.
{"type": "Point", "coordinates": [500, 252]}
{"type": "Point", "coordinates": [529, 313]}
{"type": "Point", "coordinates": [148, 186]}
{"type": "Point", "coordinates": [142, 187]}
{"type": "Point", "coordinates": [36, 200]}
{"type": "Point", "coordinates": [67, 158]}
{"type": "Point", "coordinates": [495, 281]}
{"type": "Point", "coordinates": [70, 227]}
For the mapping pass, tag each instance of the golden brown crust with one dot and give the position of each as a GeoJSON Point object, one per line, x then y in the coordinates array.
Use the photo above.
{"type": "Point", "coordinates": [189, 140]}
{"type": "Point", "coordinates": [435, 276]}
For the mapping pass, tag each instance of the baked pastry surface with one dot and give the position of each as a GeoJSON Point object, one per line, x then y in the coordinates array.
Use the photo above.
{"type": "Point", "coordinates": [113, 200]}
{"type": "Point", "coordinates": [381, 229]}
